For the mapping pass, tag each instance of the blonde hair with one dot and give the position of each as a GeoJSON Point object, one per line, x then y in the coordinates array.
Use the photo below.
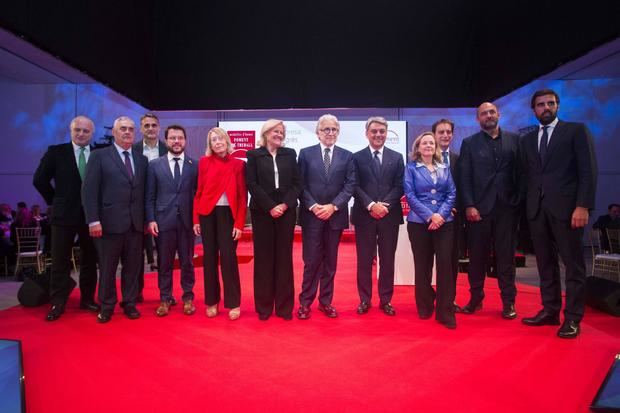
{"type": "Point", "coordinates": [222, 134]}
{"type": "Point", "coordinates": [415, 155]}
{"type": "Point", "coordinates": [267, 127]}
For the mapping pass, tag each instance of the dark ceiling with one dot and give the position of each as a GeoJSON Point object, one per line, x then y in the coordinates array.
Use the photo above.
{"type": "Point", "coordinates": [176, 55]}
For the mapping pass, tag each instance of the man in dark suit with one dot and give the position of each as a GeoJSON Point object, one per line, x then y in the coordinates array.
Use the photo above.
{"type": "Point", "coordinates": [328, 180]}
{"type": "Point", "coordinates": [170, 188]}
{"type": "Point", "coordinates": [113, 198]}
{"type": "Point", "coordinates": [377, 213]}
{"type": "Point", "coordinates": [151, 147]}
{"type": "Point", "coordinates": [560, 165]}
{"type": "Point", "coordinates": [443, 130]}
{"type": "Point", "coordinates": [65, 165]}
{"type": "Point", "coordinates": [489, 192]}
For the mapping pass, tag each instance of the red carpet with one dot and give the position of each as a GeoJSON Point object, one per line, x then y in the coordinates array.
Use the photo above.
{"type": "Point", "coordinates": [369, 363]}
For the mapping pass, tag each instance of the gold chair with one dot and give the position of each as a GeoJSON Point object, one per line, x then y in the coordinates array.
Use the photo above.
{"type": "Point", "coordinates": [613, 236]}
{"type": "Point", "coordinates": [29, 250]}
{"type": "Point", "coordinates": [604, 265]}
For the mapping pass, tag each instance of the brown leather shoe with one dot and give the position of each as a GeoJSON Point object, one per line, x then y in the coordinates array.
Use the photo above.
{"type": "Point", "coordinates": [188, 307]}
{"type": "Point", "coordinates": [163, 309]}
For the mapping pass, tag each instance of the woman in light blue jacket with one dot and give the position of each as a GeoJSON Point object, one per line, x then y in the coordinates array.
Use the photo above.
{"type": "Point", "coordinates": [431, 195]}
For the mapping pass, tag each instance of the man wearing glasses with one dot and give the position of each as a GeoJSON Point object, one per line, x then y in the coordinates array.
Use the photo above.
{"type": "Point", "coordinates": [328, 179]}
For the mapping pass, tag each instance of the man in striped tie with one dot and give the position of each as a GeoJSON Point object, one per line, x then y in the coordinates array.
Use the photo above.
{"type": "Point", "coordinates": [59, 180]}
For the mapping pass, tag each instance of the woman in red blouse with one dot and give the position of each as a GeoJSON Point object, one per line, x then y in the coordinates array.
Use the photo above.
{"type": "Point", "coordinates": [219, 215]}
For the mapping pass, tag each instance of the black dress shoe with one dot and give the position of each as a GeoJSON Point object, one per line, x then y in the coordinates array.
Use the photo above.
{"type": "Point", "coordinates": [387, 309]}
{"type": "Point", "coordinates": [363, 307]}
{"type": "Point", "coordinates": [154, 267]}
{"type": "Point", "coordinates": [472, 307]}
{"type": "Point", "coordinates": [425, 316]}
{"type": "Point", "coordinates": [104, 316]}
{"type": "Point", "coordinates": [90, 306]}
{"type": "Point", "coordinates": [264, 317]}
{"type": "Point", "coordinates": [131, 312]}
{"type": "Point", "coordinates": [328, 310]}
{"type": "Point", "coordinates": [509, 312]}
{"type": "Point", "coordinates": [55, 312]}
{"type": "Point", "coordinates": [303, 313]}
{"type": "Point", "coordinates": [171, 301]}
{"type": "Point", "coordinates": [448, 322]}
{"type": "Point", "coordinates": [569, 329]}
{"type": "Point", "coordinates": [543, 318]}
{"type": "Point", "coordinates": [457, 308]}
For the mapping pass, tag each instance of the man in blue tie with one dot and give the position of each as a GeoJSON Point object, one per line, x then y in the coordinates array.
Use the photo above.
{"type": "Point", "coordinates": [560, 165]}
{"type": "Point", "coordinates": [377, 214]}
{"type": "Point", "coordinates": [64, 165]}
{"type": "Point", "coordinates": [113, 198]}
{"type": "Point", "coordinates": [328, 180]}
{"type": "Point", "coordinates": [170, 189]}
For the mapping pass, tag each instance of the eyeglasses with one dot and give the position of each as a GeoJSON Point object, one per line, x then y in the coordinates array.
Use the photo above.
{"type": "Point", "coordinates": [327, 131]}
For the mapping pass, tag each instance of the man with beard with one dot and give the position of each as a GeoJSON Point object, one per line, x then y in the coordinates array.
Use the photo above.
{"type": "Point", "coordinates": [489, 193]}
{"type": "Point", "coordinates": [151, 147]}
{"type": "Point", "coordinates": [170, 188]}
{"type": "Point", "coordinates": [443, 130]}
{"type": "Point", "coordinates": [65, 166]}
{"type": "Point", "coordinates": [559, 163]}
{"type": "Point", "coordinates": [113, 198]}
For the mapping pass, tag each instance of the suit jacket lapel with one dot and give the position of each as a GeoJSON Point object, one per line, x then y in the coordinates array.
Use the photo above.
{"type": "Point", "coordinates": [556, 137]}
{"type": "Point", "coordinates": [116, 159]}
{"type": "Point", "coordinates": [137, 171]}
{"type": "Point", "coordinates": [69, 155]}
{"type": "Point", "coordinates": [165, 169]}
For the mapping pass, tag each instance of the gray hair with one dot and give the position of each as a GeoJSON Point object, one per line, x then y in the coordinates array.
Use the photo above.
{"type": "Point", "coordinates": [325, 118]}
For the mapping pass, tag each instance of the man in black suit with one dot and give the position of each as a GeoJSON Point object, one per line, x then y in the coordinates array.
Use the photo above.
{"type": "Point", "coordinates": [65, 165]}
{"type": "Point", "coordinates": [443, 130]}
{"type": "Point", "coordinates": [151, 147]}
{"type": "Point", "coordinates": [377, 213]}
{"type": "Point", "coordinates": [489, 192]}
{"type": "Point", "coordinates": [170, 188]}
{"type": "Point", "coordinates": [113, 198]}
{"type": "Point", "coordinates": [328, 180]}
{"type": "Point", "coordinates": [560, 165]}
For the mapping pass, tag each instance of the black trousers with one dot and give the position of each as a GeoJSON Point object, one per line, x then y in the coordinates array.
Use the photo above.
{"type": "Point", "coordinates": [148, 248]}
{"type": "Point", "coordinates": [382, 237]}
{"type": "Point", "coordinates": [550, 237]}
{"type": "Point", "coordinates": [273, 262]}
{"type": "Point", "coordinates": [496, 229]}
{"type": "Point", "coordinates": [62, 245]}
{"type": "Point", "coordinates": [181, 240]}
{"type": "Point", "coordinates": [427, 245]}
{"type": "Point", "coordinates": [217, 242]}
{"type": "Point", "coordinates": [112, 248]}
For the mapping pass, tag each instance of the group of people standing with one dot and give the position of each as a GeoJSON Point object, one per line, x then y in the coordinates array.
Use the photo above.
{"type": "Point", "coordinates": [553, 169]}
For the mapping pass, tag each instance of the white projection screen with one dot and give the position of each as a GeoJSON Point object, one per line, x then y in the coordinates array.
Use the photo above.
{"type": "Point", "coordinates": [300, 134]}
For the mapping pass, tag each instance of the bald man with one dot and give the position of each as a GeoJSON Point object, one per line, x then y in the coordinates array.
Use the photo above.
{"type": "Point", "coordinates": [489, 193]}
{"type": "Point", "coordinates": [59, 180]}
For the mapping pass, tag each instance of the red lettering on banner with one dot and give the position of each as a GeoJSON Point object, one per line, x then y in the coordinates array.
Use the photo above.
{"type": "Point", "coordinates": [405, 205]}
{"type": "Point", "coordinates": [242, 140]}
